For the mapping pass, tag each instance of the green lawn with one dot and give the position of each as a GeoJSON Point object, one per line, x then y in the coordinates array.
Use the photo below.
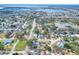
{"type": "Point", "coordinates": [21, 45]}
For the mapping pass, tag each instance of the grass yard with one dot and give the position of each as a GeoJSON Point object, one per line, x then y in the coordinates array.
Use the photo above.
{"type": "Point", "coordinates": [21, 45]}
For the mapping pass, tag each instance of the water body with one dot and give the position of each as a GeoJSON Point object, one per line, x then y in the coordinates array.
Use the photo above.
{"type": "Point", "coordinates": [36, 7]}
{"type": "Point", "coordinates": [43, 10]}
{"type": "Point", "coordinates": [28, 9]}
{"type": "Point", "coordinates": [41, 5]}
{"type": "Point", "coordinates": [50, 10]}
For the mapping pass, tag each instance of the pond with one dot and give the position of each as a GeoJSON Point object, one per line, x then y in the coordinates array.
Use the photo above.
{"type": "Point", "coordinates": [7, 41]}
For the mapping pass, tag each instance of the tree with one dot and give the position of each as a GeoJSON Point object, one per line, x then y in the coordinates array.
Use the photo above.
{"type": "Point", "coordinates": [48, 48]}
{"type": "Point", "coordinates": [72, 44]}
{"type": "Point", "coordinates": [1, 46]}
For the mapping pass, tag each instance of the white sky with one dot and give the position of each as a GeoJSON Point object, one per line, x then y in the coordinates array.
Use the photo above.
{"type": "Point", "coordinates": [39, 1]}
